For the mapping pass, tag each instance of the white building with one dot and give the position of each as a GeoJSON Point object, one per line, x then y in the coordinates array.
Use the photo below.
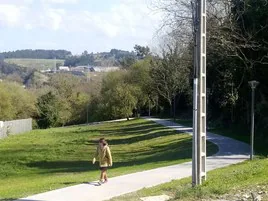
{"type": "Point", "coordinates": [104, 69]}
{"type": "Point", "coordinates": [64, 68]}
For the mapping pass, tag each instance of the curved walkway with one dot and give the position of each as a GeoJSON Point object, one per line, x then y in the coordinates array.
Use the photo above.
{"type": "Point", "coordinates": [230, 152]}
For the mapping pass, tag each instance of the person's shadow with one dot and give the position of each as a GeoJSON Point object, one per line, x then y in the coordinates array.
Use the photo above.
{"type": "Point", "coordinates": [93, 183]}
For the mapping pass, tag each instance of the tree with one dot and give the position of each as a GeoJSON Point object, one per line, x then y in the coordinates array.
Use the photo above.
{"type": "Point", "coordinates": [127, 61]}
{"type": "Point", "coordinates": [118, 98]}
{"type": "Point", "coordinates": [139, 76]}
{"type": "Point", "coordinates": [141, 51]}
{"type": "Point", "coordinates": [170, 75]}
{"type": "Point", "coordinates": [52, 111]}
{"type": "Point", "coordinates": [121, 100]}
{"type": "Point", "coordinates": [74, 93]}
{"type": "Point", "coordinates": [6, 112]}
{"type": "Point", "coordinates": [16, 102]}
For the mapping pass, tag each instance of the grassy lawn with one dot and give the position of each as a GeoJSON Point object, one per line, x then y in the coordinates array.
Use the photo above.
{"type": "Point", "coordinates": [39, 64]}
{"type": "Point", "coordinates": [230, 183]}
{"type": "Point", "coordinates": [43, 160]}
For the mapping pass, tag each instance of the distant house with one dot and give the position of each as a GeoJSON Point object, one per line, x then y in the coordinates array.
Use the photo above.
{"type": "Point", "coordinates": [64, 68]}
{"type": "Point", "coordinates": [46, 71]}
{"type": "Point", "coordinates": [104, 69]}
{"type": "Point", "coordinates": [85, 69]}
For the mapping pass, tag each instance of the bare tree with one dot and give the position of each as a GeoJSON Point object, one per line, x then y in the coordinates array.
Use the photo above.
{"type": "Point", "coordinates": [170, 75]}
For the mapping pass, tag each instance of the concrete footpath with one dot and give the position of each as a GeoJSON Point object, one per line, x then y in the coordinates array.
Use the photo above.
{"type": "Point", "coordinates": [230, 152]}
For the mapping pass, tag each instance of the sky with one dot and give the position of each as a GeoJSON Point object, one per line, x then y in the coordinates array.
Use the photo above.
{"type": "Point", "coordinates": [77, 25]}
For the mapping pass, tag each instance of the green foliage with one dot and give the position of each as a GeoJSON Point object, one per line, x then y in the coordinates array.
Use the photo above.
{"type": "Point", "coordinates": [16, 102]}
{"type": "Point", "coordinates": [124, 100]}
{"type": "Point", "coordinates": [142, 51]}
{"type": "Point", "coordinates": [48, 110]}
{"type": "Point", "coordinates": [113, 58]}
{"type": "Point", "coordinates": [6, 109]}
{"type": "Point", "coordinates": [36, 79]}
{"type": "Point", "coordinates": [64, 102]}
{"type": "Point", "coordinates": [118, 97]}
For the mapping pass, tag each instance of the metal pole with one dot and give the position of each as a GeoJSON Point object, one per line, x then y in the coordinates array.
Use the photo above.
{"type": "Point", "coordinates": [201, 98]}
{"type": "Point", "coordinates": [195, 94]}
{"type": "Point", "coordinates": [253, 84]}
{"type": "Point", "coordinates": [88, 80]}
{"type": "Point", "coordinates": [252, 123]}
{"type": "Point", "coordinates": [194, 151]}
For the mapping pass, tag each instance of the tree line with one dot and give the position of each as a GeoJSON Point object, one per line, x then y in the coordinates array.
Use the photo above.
{"type": "Point", "coordinates": [113, 58]}
{"type": "Point", "coordinates": [36, 54]}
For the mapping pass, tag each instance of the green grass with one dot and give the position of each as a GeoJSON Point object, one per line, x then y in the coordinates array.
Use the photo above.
{"type": "Point", "coordinates": [229, 183]}
{"type": "Point", "coordinates": [39, 64]}
{"type": "Point", "coordinates": [43, 160]}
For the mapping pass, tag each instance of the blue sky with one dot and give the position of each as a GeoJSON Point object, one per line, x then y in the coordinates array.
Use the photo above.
{"type": "Point", "coordinates": [77, 25]}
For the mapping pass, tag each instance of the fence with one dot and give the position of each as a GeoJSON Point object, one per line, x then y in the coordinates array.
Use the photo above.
{"type": "Point", "coordinates": [15, 127]}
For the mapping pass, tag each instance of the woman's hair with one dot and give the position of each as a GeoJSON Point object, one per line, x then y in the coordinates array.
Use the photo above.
{"type": "Point", "coordinates": [103, 141]}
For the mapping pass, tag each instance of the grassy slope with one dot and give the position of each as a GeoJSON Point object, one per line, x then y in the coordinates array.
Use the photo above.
{"type": "Point", "coordinates": [39, 64]}
{"type": "Point", "coordinates": [230, 183]}
{"type": "Point", "coordinates": [47, 159]}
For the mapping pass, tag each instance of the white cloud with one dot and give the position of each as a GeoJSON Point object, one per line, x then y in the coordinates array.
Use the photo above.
{"type": "Point", "coordinates": [131, 17]}
{"type": "Point", "coordinates": [125, 18]}
{"type": "Point", "coordinates": [55, 17]}
{"type": "Point", "coordinates": [10, 15]}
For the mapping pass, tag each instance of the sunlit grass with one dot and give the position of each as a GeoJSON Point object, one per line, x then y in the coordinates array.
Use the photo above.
{"type": "Point", "coordinates": [43, 160]}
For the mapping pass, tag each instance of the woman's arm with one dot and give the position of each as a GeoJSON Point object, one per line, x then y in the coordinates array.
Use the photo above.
{"type": "Point", "coordinates": [109, 156]}
{"type": "Point", "coordinates": [96, 155]}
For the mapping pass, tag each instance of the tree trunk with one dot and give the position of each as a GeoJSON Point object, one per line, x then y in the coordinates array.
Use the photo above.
{"type": "Point", "coordinates": [149, 108]}
{"type": "Point", "coordinates": [174, 108]}
{"type": "Point", "coordinates": [171, 109]}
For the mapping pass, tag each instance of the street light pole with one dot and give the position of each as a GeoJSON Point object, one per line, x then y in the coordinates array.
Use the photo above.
{"type": "Point", "coordinates": [199, 93]}
{"type": "Point", "coordinates": [253, 84]}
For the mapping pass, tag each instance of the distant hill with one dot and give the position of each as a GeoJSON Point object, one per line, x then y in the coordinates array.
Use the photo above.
{"type": "Point", "coordinates": [113, 58]}
{"type": "Point", "coordinates": [38, 64]}
{"type": "Point", "coordinates": [36, 54]}
{"type": "Point", "coordinates": [44, 59]}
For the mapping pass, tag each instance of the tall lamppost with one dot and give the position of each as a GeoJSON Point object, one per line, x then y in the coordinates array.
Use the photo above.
{"type": "Point", "coordinates": [253, 84]}
{"type": "Point", "coordinates": [199, 93]}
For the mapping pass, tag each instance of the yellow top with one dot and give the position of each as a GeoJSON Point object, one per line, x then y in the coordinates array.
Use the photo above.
{"type": "Point", "coordinates": [103, 154]}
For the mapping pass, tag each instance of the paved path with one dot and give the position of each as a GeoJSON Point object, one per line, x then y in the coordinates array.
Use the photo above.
{"type": "Point", "coordinates": [230, 152]}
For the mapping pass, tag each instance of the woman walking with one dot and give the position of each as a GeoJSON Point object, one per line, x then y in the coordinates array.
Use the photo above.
{"type": "Point", "coordinates": [104, 156]}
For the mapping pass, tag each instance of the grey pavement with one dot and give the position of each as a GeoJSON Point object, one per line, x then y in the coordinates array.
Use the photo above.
{"type": "Point", "coordinates": [230, 152]}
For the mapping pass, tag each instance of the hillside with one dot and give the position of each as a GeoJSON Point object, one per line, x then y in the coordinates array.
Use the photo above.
{"type": "Point", "coordinates": [38, 64]}
{"type": "Point", "coordinates": [36, 54]}
{"type": "Point", "coordinates": [43, 160]}
{"type": "Point", "coordinates": [44, 59]}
